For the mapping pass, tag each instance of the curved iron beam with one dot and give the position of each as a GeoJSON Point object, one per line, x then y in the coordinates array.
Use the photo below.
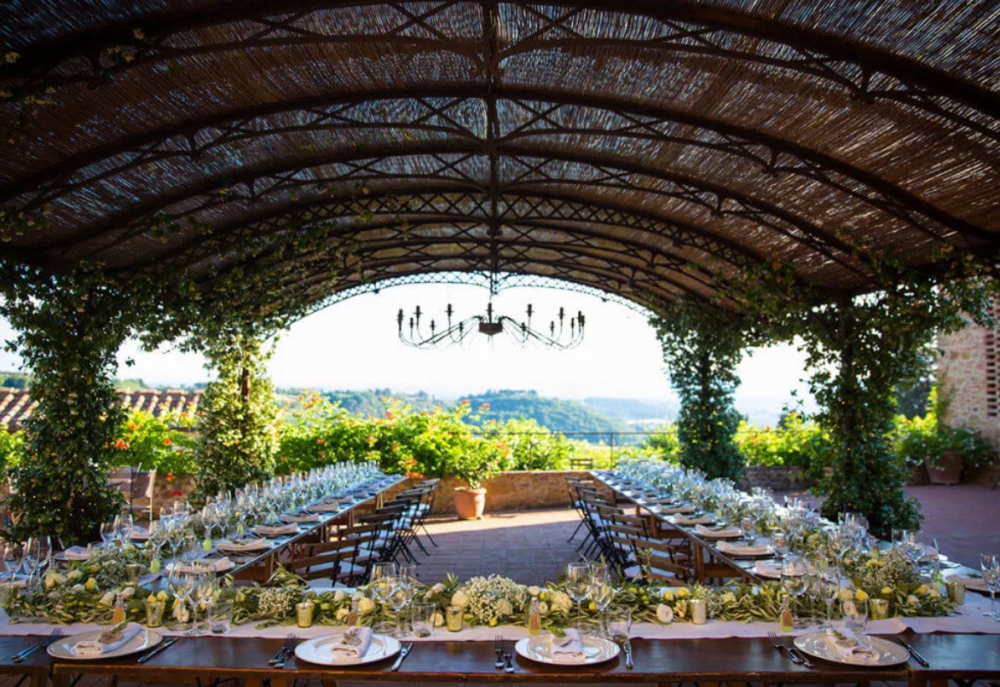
{"type": "Point", "coordinates": [771, 163]}
{"type": "Point", "coordinates": [814, 237]}
{"type": "Point", "coordinates": [45, 56]}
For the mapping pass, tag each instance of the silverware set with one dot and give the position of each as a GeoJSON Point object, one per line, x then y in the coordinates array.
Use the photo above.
{"type": "Point", "coordinates": [23, 655]}
{"type": "Point", "coordinates": [403, 653]}
{"type": "Point", "coordinates": [284, 653]}
{"type": "Point", "coordinates": [913, 653]}
{"type": "Point", "coordinates": [504, 649]}
{"type": "Point", "coordinates": [784, 644]}
{"type": "Point", "coordinates": [163, 646]}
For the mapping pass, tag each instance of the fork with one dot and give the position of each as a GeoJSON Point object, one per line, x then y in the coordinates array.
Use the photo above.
{"type": "Point", "coordinates": [23, 655]}
{"type": "Point", "coordinates": [794, 651]}
{"type": "Point", "coordinates": [780, 647]}
{"type": "Point", "coordinates": [498, 649]}
{"type": "Point", "coordinates": [284, 648]}
{"type": "Point", "coordinates": [290, 644]}
{"type": "Point", "coordinates": [508, 655]}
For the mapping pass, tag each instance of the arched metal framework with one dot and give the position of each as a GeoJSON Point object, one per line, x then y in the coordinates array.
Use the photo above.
{"type": "Point", "coordinates": [641, 148]}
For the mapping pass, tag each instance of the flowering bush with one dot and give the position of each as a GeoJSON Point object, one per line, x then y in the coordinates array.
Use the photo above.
{"type": "Point", "coordinates": [150, 442]}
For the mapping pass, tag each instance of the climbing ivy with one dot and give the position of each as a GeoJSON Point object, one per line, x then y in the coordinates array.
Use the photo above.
{"type": "Point", "coordinates": [70, 328]}
{"type": "Point", "coordinates": [702, 345]}
{"type": "Point", "coordinates": [238, 419]}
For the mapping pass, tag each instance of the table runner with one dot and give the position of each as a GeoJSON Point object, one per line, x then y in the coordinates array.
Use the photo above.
{"type": "Point", "coordinates": [969, 621]}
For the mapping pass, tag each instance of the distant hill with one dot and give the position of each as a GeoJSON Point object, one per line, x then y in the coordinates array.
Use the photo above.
{"type": "Point", "coordinates": [632, 409]}
{"type": "Point", "coordinates": [369, 402]}
{"type": "Point", "coordinates": [554, 413]}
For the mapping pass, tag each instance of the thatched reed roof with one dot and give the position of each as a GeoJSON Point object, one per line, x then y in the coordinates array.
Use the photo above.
{"type": "Point", "coordinates": [642, 147]}
{"type": "Point", "coordinates": [16, 405]}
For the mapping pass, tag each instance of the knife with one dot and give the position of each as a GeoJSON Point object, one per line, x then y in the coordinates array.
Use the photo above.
{"type": "Point", "coordinates": [627, 646]}
{"type": "Point", "coordinates": [163, 647]}
{"type": "Point", "coordinates": [915, 654]}
{"type": "Point", "coordinates": [403, 653]}
{"type": "Point", "coordinates": [24, 653]}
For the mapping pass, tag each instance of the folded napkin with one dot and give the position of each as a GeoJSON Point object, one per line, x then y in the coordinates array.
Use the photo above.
{"type": "Point", "coordinates": [850, 647]}
{"type": "Point", "coordinates": [717, 533]}
{"type": "Point", "coordinates": [276, 530]}
{"type": "Point", "coordinates": [140, 533]}
{"type": "Point", "coordinates": [674, 510]}
{"type": "Point", "coordinates": [662, 501]}
{"type": "Point", "coordinates": [254, 545]}
{"type": "Point", "coordinates": [352, 644]}
{"type": "Point", "coordinates": [95, 647]}
{"type": "Point", "coordinates": [743, 549]}
{"type": "Point", "coordinates": [701, 520]}
{"type": "Point", "coordinates": [216, 564]}
{"type": "Point", "coordinates": [325, 507]}
{"type": "Point", "coordinates": [568, 649]}
{"type": "Point", "coordinates": [76, 553]}
{"type": "Point", "coordinates": [767, 569]}
{"type": "Point", "coordinates": [299, 517]}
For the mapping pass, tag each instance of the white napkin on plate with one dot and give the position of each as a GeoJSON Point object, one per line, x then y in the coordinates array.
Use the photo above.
{"type": "Point", "coordinates": [276, 530]}
{"type": "Point", "coordinates": [94, 647]}
{"type": "Point", "coordinates": [568, 649]}
{"type": "Point", "coordinates": [715, 533]}
{"type": "Point", "coordinates": [352, 644]}
{"type": "Point", "coordinates": [76, 553]}
{"type": "Point", "coordinates": [217, 565]}
{"type": "Point", "coordinates": [254, 545]}
{"type": "Point", "coordinates": [767, 569]}
{"type": "Point", "coordinates": [299, 517]}
{"type": "Point", "coordinates": [701, 520]}
{"type": "Point", "coordinates": [674, 510]}
{"type": "Point", "coordinates": [743, 549]}
{"type": "Point", "coordinates": [857, 651]}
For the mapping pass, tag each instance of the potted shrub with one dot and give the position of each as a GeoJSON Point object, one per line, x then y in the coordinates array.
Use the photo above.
{"type": "Point", "coordinates": [474, 468]}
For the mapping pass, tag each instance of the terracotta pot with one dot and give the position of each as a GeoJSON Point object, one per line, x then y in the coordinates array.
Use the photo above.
{"type": "Point", "coordinates": [947, 469]}
{"type": "Point", "coordinates": [470, 503]}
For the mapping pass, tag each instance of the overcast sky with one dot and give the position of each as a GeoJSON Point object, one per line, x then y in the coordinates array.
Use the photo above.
{"type": "Point", "coordinates": [354, 345]}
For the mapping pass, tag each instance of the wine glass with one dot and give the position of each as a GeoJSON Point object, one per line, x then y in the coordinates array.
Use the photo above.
{"type": "Point", "coordinates": [109, 531]}
{"type": "Point", "coordinates": [601, 592]}
{"type": "Point", "coordinates": [578, 581]}
{"type": "Point", "coordinates": [793, 578]}
{"type": "Point", "coordinates": [123, 527]}
{"type": "Point", "coordinates": [181, 584]}
{"type": "Point", "coordinates": [383, 581]}
{"type": "Point", "coordinates": [780, 540]}
{"type": "Point", "coordinates": [36, 555]}
{"type": "Point", "coordinates": [13, 555]}
{"type": "Point", "coordinates": [856, 618]}
{"type": "Point", "coordinates": [989, 564]}
{"type": "Point", "coordinates": [203, 589]}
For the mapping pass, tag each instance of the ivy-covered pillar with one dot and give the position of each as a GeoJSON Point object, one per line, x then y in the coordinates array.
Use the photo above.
{"type": "Point", "coordinates": [70, 328]}
{"type": "Point", "coordinates": [702, 347]}
{"type": "Point", "coordinates": [238, 416]}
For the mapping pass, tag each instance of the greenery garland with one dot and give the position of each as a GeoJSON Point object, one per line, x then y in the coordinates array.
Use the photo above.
{"type": "Point", "coordinates": [702, 346]}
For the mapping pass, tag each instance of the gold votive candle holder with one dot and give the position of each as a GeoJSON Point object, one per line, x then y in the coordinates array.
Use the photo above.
{"type": "Point", "coordinates": [699, 611]}
{"type": "Point", "coordinates": [956, 591]}
{"type": "Point", "coordinates": [132, 572]}
{"type": "Point", "coordinates": [453, 618]}
{"type": "Point", "coordinates": [878, 609]}
{"type": "Point", "coordinates": [304, 613]}
{"type": "Point", "coordinates": [154, 612]}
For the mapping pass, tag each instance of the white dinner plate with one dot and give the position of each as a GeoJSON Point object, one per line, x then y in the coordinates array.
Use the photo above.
{"type": "Point", "coordinates": [817, 644]}
{"type": "Point", "coordinates": [537, 648]}
{"type": "Point", "coordinates": [63, 647]}
{"type": "Point", "coordinates": [319, 651]}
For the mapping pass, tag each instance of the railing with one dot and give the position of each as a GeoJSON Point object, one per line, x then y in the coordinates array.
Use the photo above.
{"type": "Point", "coordinates": [601, 452]}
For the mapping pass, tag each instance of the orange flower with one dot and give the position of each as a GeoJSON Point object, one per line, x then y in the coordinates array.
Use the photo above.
{"type": "Point", "coordinates": [466, 402]}
{"type": "Point", "coordinates": [371, 441]}
{"type": "Point", "coordinates": [414, 475]}
{"type": "Point", "coordinates": [396, 447]}
{"type": "Point", "coordinates": [284, 459]}
{"type": "Point", "coordinates": [121, 444]}
{"type": "Point", "coordinates": [389, 415]}
{"type": "Point", "coordinates": [320, 441]}
{"type": "Point", "coordinates": [133, 427]}
{"type": "Point", "coordinates": [167, 442]}
{"type": "Point", "coordinates": [485, 406]}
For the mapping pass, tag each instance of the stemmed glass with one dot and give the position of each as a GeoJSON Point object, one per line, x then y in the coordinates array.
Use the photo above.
{"type": "Point", "coordinates": [793, 577]}
{"type": "Point", "coordinates": [383, 581]}
{"type": "Point", "coordinates": [175, 535]}
{"type": "Point", "coordinates": [158, 536]}
{"type": "Point", "coordinates": [109, 531]}
{"type": "Point", "coordinates": [856, 618]}
{"type": "Point", "coordinates": [13, 556]}
{"type": "Point", "coordinates": [36, 556]}
{"type": "Point", "coordinates": [601, 592]}
{"type": "Point", "coordinates": [123, 528]}
{"type": "Point", "coordinates": [578, 581]}
{"type": "Point", "coordinates": [181, 585]}
{"type": "Point", "coordinates": [204, 587]}
{"type": "Point", "coordinates": [989, 563]}
{"type": "Point", "coordinates": [399, 598]}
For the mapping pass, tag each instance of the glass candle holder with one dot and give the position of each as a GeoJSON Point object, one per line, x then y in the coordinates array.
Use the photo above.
{"type": "Point", "coordinates": [453, 618]}
{"type": "Point", "coordinates": [132, 572]}
{"type": "Point", "coordinates": [699, 611]}
{"type": "Point", "coordinates": [154, 612]}
{"type": "Point", "coordinates": [878, 609]}
{"type": "Point", "coordinates": [956, 591]}
{"type": "Point", "coordinates": [304, 613]}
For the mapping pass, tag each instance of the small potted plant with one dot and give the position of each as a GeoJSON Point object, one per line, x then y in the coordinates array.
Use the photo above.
{"type": "Point", "coordinates": [473, 468]}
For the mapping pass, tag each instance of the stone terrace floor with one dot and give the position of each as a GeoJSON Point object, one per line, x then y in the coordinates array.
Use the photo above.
{"type": "Point", "coordinates": [531, 546]}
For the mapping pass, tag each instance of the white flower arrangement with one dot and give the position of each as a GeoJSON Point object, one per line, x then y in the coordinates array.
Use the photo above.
{"type": "Point", "coordinates": [492, 600]}
{"type": "Point", "coordinates": [665, 614]}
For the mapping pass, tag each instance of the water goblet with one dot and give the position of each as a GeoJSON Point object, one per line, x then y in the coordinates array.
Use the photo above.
{"type": "Point", "coordinates": [793, 578]}
{"type": "Point", "coordinates": [577, 581]}
{"type": "Point", "coordinates": [109, 530]}
{"type": "Point", "coordinates": [989, 564]}
{"type": "Point", "coordinates": [855, 617]}
{"type": "Point", "coordinates": [601, 592]}
{"type": "Point", "coordinates": [382, 583]}
{"type": "Point", "coordinates": [619, 623]}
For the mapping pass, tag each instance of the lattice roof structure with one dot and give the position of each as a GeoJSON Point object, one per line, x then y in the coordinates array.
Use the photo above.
{"type": "Point", "coordinates": [643, 148]}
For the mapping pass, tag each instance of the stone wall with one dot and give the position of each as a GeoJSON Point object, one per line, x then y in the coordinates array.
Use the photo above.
{"type": "Point", "coordinates": [963, 374]}
{"type": "Point", "coordinates": [513, 491]}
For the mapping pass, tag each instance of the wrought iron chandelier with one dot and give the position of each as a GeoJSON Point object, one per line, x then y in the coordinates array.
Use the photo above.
{"type": "Point", "coordinates": [561, 334]}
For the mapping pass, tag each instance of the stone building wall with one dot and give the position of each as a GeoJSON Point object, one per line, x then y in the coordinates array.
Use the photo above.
{"type": "Point", "coordinates": [962, 369]}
